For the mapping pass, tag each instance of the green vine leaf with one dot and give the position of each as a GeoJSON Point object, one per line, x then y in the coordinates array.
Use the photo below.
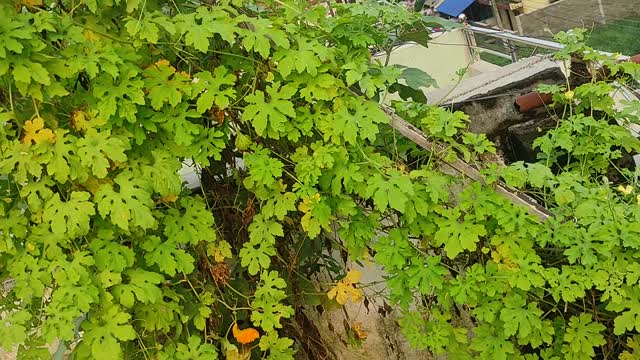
{"type": "Point", "coordinates": [259, 37]}
{"type": "Point", "coordinates": [520, 318]}
{"type": "Point", "coordinates": [37, 193]}
{"type": "Point", "coordinates": [279, 348]}
{"type": "Point", "coordinates": [24, 160]}
{"type": "Point", "coordinates": [269, 117]}
{"type": "Point", "coordinates": [165, 85]}
{"type": "Point", "coordinates": [630, 308]}
{"type": "Point", "coordinates": [110, 256]}
{"type": "Point", "coordinates": [192, 226]}
{"type": "Point", "coordinates": [167, 256]}
{"type": "Point", "coordinates": [201, 26]}
{"type": "Point", "coordinates": [581, 337]}
{"type": "Point", "coordinates": [130, 205]}
{"type": "Point", "coordinates": [263, 169]}
{"type": "Point", "coordinates": [142, 286]}
{"type": "Point", "coordinates": [95, 150]}
{"type": "Point", "coordinates": [306, 58]}
{"type": "Point", "coordinates": [457, 236]}
{"type": "Point", "coordinates": [393, 192]}
{"type": "Point", "coordinates": [195, 349]}
{"type": "Point", "coordinates": [256, 253]}
{"type": "Point", "coordinates": [13, 226]}
{"type": "Point", "coordinates": [268, 309]}
{"type": "Point", "coordinates": [103, 333]}
{"type": "Point", "coordinates": [72, 216]}
{"type": "Point", "coordinates": [214, 88]}
{"type": "Point", "coordinates": [123, 94]}
{"type": "Point", "coordinates": [12, 33]}
{"type": "Point", "coordinates": [64, 163]}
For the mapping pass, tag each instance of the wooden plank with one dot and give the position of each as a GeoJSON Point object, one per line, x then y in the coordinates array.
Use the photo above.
{"type": "Point", "coordinates": [459, 166]}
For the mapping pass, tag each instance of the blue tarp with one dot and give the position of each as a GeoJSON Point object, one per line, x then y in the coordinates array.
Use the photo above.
{"type": "Point", "coordinates": [454, 7]}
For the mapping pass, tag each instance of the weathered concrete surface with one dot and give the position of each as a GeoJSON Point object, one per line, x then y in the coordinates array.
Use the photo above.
{"type": "Point", "coordinates": [497, 81]}
{"type": "Point", "coordinates": [488, 98]}
{"type": "Point", "coordinates": [377, 318]}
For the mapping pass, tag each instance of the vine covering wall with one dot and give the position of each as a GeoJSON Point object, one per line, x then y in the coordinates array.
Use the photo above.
{"type": "Point", "coordinates": [104, 250]}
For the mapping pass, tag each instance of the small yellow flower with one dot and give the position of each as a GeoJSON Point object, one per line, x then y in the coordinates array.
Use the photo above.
{"type": "Point", "coordinates": [626, 190]}
{"type": "Point", "coordinates": [569, 95]}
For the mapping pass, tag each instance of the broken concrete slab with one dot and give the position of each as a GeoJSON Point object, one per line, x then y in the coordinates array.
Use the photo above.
{"type": "Point", "coordinates": [504, 79]}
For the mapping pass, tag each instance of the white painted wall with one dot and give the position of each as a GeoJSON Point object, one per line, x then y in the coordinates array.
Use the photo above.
{"type": "Point", "coordinates": [446, 54]}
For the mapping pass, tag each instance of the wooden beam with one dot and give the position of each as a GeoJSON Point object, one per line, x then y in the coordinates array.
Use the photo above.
{"type": "Point", "coordinates": [461, 167]}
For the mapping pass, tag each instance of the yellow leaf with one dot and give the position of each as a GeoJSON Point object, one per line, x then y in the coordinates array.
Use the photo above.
{"type": "Point", "coordinates": [346, 289]}
{"type": "Point", "coordinates": [304, 205]}
{"type": "Point", "coordinates": [83, 121]}
{"type": "Point", "coordinates": [90, 36]}
{"type": "Point", "coordinates": [352, 277]}
{"type": "Point", "coordinates": [367, 259]}
{"type": "Point", "coordinates": [93, 184]}
{"type": "Point", "coordinates": [626, 190]}
{"type": "Point", "coordinates": [185, 74]}
{"type": "Point", "coordinates": [170, 198]}
{"type": "Point", "coordinates": [32, 2]}
{"type": "Point", "coordinates": [245, 336]}
{"type": "Point", "coordinates": [234, 354]}
{"type": "Point", "coordinates": [638, 199]}
{"type": "Point", "coordinates": [501, 258]}
{"type": "Point", "coordinates": [219, 251]}
{"type": "Point", "coordinates": [231, 351]}
{"type": "Point", "coordinates": [164, 63]}
{"type": "Point", "coordinates": [36, 132]}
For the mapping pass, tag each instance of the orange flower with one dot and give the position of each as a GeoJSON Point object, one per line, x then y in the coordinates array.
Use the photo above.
{"type": "Point", "coordinates": [245, 336]}
{"type": "Point", "coordinates": [359, 331]}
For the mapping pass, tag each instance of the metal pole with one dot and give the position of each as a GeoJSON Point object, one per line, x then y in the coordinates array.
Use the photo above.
{"type": "Point", "coordinates": [506, 43]}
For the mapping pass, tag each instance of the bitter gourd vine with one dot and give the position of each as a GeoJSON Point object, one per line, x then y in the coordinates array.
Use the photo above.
{"type": "Point", "coordinates": [104, 251]}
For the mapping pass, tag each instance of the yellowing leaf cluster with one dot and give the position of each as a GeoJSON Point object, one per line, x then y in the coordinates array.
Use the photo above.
{"type": "Point", "coordinates": [501, 256]}
{"type": "Point", "coordinates": [304, 205]}
{"type": "Point", "coordinates": [83, 121]}
{"type": "Point", "coordinates": [219, 251]}
{"type": "Point", "coordinates": [346, 289]}
{"type": "Point", "coordinates": [36, 133]}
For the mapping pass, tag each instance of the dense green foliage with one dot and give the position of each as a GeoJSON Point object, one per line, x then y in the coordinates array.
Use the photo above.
{"type": "Point", "coordinates": [101, 101]}
{"type": "Point", "coordinates": [103, 249]}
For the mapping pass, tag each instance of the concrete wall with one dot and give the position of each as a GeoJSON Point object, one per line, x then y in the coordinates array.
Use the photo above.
{"type": "Point", "coordinates": [568, 14]}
